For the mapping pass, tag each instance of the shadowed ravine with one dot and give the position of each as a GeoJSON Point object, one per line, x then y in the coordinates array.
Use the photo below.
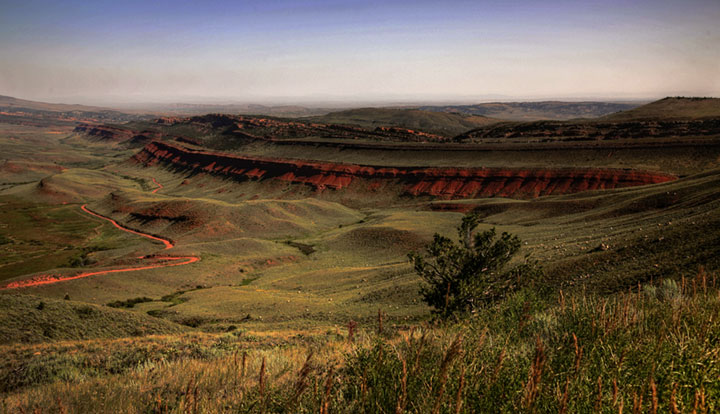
{"type": "Point", "coordinates": [156, 261]}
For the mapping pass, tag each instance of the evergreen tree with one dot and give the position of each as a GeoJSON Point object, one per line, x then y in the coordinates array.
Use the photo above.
{"type": "Point", "coordinates": [463, 276]}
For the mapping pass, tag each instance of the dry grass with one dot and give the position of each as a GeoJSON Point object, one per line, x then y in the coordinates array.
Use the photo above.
{"type": "Point", "coordinates": [646, 350]}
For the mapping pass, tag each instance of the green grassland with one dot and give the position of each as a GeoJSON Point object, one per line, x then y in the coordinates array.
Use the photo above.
{"type": "Point", "coordinates": [671, 108]}
{"type": "Point", "coordinates": [250, 275]}
{"type": "Point", "coordinates": [533, 111]}
{"type": "Point", "coordinates": [39, 237]}
{"type": "Point", "coordinates": [679, 160]}
{"type": "Point", "coordinates": [278, 279]}
{"type": "Point", "coordinates": [610, 240]}
{"type": "Point", "coordinates": [252, 271]}
{"type": "Point", "coordinates": [32, 319]}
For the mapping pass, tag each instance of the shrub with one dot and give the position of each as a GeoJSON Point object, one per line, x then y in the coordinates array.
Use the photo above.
{"type": "Point", "coordinates": [129, 303]}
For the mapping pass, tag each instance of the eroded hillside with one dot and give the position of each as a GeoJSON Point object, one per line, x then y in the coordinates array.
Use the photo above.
{"type": "Point", "coordinates": [448, 183]}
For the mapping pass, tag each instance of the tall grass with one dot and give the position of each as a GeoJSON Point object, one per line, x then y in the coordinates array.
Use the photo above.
{"type": "Point", "coordinates": [651, 349]}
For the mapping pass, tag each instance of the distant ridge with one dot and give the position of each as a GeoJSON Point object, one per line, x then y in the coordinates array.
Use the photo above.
{"type": "Point", "coordinates": [667, 118]}
{"type": "Point", "coordinates": [24, 112]}
{"type": "Point", "coordinates": [11, 102]}
{"type": "Point", "coordinates": [14, 104]}
{"type": "Point", "coordinates": [534, 111]}
{"type": "Point", "coordinates": [448, 124]}
{"type": "Point", "coordinates": [190, 109]}
{"type": "Point", "coordinates": [671, 108]}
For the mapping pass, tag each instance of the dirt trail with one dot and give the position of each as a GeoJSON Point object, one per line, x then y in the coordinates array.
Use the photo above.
{"type": "Point", "coordinates": [157, 261]}
{"type": "Point", "coordinates": [159, 186]}
{"type": "Point", "coordinates": [167, 242]}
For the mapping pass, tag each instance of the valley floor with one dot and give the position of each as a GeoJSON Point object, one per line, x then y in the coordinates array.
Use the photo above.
{"type": "Point", "coordinates": [283, 308]}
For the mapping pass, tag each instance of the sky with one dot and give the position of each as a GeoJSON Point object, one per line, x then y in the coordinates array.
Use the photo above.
{"type": "Point", "coordinates": [104, 52]}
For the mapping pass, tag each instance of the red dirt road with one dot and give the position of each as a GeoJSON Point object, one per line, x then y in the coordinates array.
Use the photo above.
{"type": "Point", "coordinates": [159, 186]}
{"type": "Point", "coordinates": [168, 243]}
{"type": "Point", "coordinates": [158, 261]}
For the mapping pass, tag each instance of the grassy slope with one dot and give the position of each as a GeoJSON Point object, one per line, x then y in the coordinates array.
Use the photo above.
{"type": "Point", "coordinates": [55, 145]}
{"type": "Point", "coordinates": [534, 111]}
{"type": "Point", "coordinates": [650, 232]}
{"type": "Point", "coordinates": [447, 124]}
{"type": "Point", "coordinates": [360, 266]}
{"type": "Point", "coordinates": [671, 108]}
{"type": "Point", "coordinates": [30, 319]}
{"type": "Point", "coordinates": [353, 272]}
{"type": "Point", "coordinates": [40, 237]}
{"type": "Point", "coordinates": [203, 219]}
{"type": "Point", "coordinates": [25, 365]}
{"type": "Point", "coordinates": [650, 350]}
{"type": "Point", "coordinates": [675, 160]}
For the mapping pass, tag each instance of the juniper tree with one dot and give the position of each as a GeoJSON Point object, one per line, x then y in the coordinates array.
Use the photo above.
{"type": "Point", "coordinates": [459, 277]}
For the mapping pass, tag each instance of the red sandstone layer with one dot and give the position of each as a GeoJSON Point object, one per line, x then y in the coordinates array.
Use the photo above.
{"type": "Point", "coordinates": [448, 183]}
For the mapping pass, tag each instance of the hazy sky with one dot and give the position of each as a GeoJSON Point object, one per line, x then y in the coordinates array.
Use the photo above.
{"type": "Point", "coordinates": [299, 51]}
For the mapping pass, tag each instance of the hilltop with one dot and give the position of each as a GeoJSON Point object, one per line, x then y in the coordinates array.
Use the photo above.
{"type": "Point", "coordinates": [671, 108]}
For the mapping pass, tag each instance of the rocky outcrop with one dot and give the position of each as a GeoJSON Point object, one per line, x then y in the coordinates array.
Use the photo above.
{"type": "Point", "coordinates": [445, 183]}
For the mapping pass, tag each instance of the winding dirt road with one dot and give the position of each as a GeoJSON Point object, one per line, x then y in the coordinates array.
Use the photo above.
{"type": "Point", "coordinates": [167, 242]}
{"type": "Point", "coordinates": [159, 186]}
{"type": "Point", "coordinates": [157, 261]}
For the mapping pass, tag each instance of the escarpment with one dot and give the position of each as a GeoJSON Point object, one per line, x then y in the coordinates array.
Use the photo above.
{"type": "Point", "coordinates": [444, 183]}
{"type": "Point", "coordinates": [131, 137]}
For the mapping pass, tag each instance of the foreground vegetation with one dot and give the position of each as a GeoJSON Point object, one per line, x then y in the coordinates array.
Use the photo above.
{"type": "Point", "coordinates": [646, 350]}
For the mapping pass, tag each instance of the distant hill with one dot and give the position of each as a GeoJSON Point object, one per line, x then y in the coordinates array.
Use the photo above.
{"type": "Point", "coordinates": [189, 109]}
{"type": "Point", "coordinates": [24, 112]}
{"type": "Point", "coordinates": [666, 118]}
{"type": "Point", "coordinates": [225, 132]}
{"type": "Point", "coordinates": [10, 102]}
{"type": "Point", "coordinates": [671, 108]}
{"type": "Point", "coordinates": [441, 123]}
{"type": "Point", "coordinates": [534, 111]}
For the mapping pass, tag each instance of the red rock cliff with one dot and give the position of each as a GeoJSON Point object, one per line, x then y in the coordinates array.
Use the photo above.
{"type": "Point", "coordinates": [447, 183]}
